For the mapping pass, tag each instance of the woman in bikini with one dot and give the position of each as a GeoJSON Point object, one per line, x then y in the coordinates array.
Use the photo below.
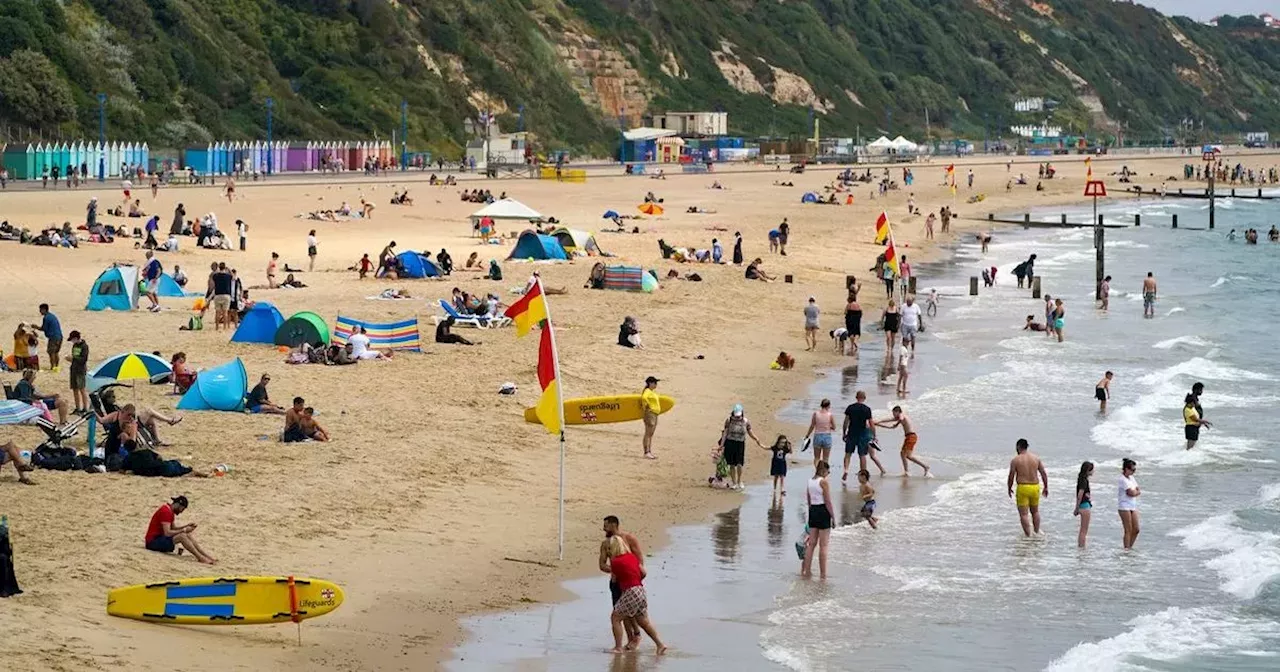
{"type": "Point", "coordinates": [891, 320]}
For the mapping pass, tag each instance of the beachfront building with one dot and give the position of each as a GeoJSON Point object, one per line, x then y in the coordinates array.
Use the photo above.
{"type": "Point", "coordinates": [691, 123]}
{"type": "Point", "coordinates": [1035, 131]}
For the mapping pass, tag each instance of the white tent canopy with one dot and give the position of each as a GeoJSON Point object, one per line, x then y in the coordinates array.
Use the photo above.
{"type": "Point", "coordinates": [882, 143]}
{"type": "Point", "coordinates": [902, 144]}
{"type": "Point", "coordinates": [507, 208]}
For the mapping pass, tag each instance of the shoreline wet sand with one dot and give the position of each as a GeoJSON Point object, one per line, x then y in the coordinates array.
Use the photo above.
{"type": "Point", "coordinates": [433, 480]}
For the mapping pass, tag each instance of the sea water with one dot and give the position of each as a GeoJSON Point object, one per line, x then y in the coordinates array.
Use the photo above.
{"type": "Point", "coordinates": [954, 585]}
{"type": "Point", "coordinates": [949, 582]}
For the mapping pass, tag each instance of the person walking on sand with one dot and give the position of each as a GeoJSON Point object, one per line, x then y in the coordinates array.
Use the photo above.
{"type": "Point", "coordinates": [852, 317]}
{"type": "Point", "coordinates": [242, 230]}
{"type": "Point", "coordinates": [1127, 504]}
{"type": "Point", "coordinates": [1102, 391]}
{"type": "Point", "coordinates": [928, 226]}
{"type": "Point", "coordinates": [811, 313]}
{"type": "Point", "coordinates": [1027, 472]}
{"type": "Point", "coordinates": [311, 250]}
{"type": "Point", "coordinates": [1084, 502]}
{"type": "Point", "coordinates": [1104, 293]}
{"type": "Point", "coordinates": [780, 449]}
{"type": "Point", "coordinates": [733, 443]}
{"type": "Point", "coordinates": [652, 407]}
{"type": "Point", "coordinates": [612, 528]}
{"type": "Point", "coordinates": [817, 494]}
{"type": "Point", "coordinates": [1149, 295]}
{"type": "Point", "coordinates": [162, 536]}
{"type": "Point", "coordinates": [909, 439]}
{"type": "Point", "coordinates": [1192, 422]}
{"type": "Point", "coordinates": [822, 425]}
{"type": "Point", "coordinates": [229, 188]}
{"type": "Point", "coordinates": [633, 604]}
{"type": "Point", "coordinates": [904, 360]}
{"type": "Point", "coordinates": [859, 432]}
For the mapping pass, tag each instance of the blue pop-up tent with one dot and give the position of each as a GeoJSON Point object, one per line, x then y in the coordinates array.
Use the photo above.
{"type": "Point", "coordinates": [221, 388]}
{"type": "Point", "coordinates": [534, 245]}
{"type": "Point", "coordinates": [259, 324]}
{"type": "Point", "coordinates": [810, 197]}
{"type": "Point", "coordinates": [115, 289]}
{"type": "Point", "coordinates": [169, 287]}
{"type": "Point", "coordinates": [416, 265]}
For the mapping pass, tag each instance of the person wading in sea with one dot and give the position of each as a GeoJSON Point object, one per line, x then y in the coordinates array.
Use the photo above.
{"type": "Point", "coordinates": [1028, 472]}
{"type": "Point", "coordinates": [612, 528]}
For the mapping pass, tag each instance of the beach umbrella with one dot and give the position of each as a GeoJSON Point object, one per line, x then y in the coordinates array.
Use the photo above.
{"type": "Point", "coordinates": [132, 366]}
{"type": "Point", "coordinates": [13, 412]}
{"type": "Point", "coordinates": [610, 214]}
{"type": "Point", "coordinates": [650, 208]}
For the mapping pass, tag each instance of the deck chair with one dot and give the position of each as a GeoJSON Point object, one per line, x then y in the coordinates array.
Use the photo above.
{"type": "Point", "coordinates": [477, 321]}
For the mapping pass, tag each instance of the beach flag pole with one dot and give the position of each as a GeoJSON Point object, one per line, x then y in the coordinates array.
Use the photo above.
{"type": "Point", "coordinates": [555, 369]}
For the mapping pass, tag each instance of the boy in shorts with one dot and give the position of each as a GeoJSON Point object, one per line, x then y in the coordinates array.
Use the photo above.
{"type": "Point", "coordinates": [868, 494]}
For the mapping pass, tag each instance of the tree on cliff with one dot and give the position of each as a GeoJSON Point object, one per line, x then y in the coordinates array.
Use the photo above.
{"type": "Point", "coordinates": [33, 92]}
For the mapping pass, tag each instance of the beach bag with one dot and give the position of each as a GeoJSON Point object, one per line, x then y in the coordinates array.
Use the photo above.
{"type": "Point", "coordinates": [800, 543]}
{"type": "Point", "coordinates": [56, 459]}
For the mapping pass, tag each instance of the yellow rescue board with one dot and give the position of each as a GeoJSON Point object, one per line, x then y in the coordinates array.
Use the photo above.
{"type": "Point", "coordinates": [603, 410]}
{"type": "Point", "coordinates": [238, 600]}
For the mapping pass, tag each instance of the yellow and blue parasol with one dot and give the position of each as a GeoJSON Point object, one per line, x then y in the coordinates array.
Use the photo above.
{"type": "Point", "coordinates": [131, 366]}
{"type": "Point", "coordinates": [13, 412]}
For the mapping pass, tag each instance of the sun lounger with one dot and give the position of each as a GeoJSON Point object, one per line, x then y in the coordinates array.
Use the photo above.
{"type": "Point", "coordinates": [477, 321]}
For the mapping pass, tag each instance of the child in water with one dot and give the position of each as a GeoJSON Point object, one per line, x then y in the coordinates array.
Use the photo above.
{"type": "Point", "coordinates": [868, 494]}
{"type": "Point", "coordinates": [778, 466]}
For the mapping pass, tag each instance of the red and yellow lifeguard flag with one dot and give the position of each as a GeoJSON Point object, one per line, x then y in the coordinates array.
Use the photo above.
{"type": "Point", "coordinates": [891, 258]}
{"type": "Point", "coordinates": [951, 173]}
{"type": "Point", "coordinates": [882, 227]}
{"type": "Point", "coordinates": [550, 408]}
{"type": "Point", "coordinates": [529, 310]}
{"type": "Point", "coordinates": [1088, 168]}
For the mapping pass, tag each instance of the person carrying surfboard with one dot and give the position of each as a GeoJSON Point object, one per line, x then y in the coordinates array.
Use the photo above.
{"type": "Point", "coordinates": [162, 535]}
{"type": "Point", "coordinates": [652, 408]}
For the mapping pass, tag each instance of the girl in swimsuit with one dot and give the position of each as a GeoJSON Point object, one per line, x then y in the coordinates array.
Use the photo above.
{"type": "Point", "coordinates": [1059, 318]}
{"type": "Point", "coordinates": [1084, 503]}
{"type": "Point", "coordinates": [890, 319]}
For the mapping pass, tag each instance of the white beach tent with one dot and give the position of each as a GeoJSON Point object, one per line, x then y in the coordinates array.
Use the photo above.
{"type": "Point", "coordinates": [507, 208]}
{"type": "Point", "coordinates": [881, 144]}
{"type": "Point", "coordinates": [903, 145]}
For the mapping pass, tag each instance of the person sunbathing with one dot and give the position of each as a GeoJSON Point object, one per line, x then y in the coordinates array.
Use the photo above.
{"type": "Point", "coordinates": [290, 281]}
{"type": "Point", "coordinates": [341, 355]}
{"type": "Point", "coordinates": [26, 391]}
{"type": "Point", "coordinates": [9, 453]}
{"type": "Point", "coordinates": [444, 333]}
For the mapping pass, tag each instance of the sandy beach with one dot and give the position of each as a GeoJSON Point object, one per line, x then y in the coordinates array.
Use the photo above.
{"type": "Point", "coordinates": [435, 500]}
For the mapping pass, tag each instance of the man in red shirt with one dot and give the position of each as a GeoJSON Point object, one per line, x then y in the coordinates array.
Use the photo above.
{"type": "Point", "coordinates": [162, 534]}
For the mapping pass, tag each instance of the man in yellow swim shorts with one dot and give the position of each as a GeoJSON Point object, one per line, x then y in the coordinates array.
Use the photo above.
{"type": "Point", "coordinates": [1027, 471]}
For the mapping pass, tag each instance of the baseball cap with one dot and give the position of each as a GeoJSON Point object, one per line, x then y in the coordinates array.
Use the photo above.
{"type": "Point", "coordinates": [737, 409]}
{"type": "Point", "coordinates": [180, 500]}
{"type": "Point", "coordinates": [650, 379]}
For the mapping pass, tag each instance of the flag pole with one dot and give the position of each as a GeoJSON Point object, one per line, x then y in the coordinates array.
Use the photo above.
{"type": "Point", "coordinates": [555, 364]}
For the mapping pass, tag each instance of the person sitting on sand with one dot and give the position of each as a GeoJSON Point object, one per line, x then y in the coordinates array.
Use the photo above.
{"type": "Point", "coordinates": [360, 349]}
{"type": "Point", "coordinates": [445, 262]}
{"type": "Point", "coordinates": [784, 361]}
{"type": "Point", "coordinates": [341, 355]}
{"type": "Point", "coordinates": [258, 401]}
{"type": "Point", "coordinates": [495, 271]}
{"type": "Point", "coordinates": [474, 263]}
{"type": "Point", "coordinates": [121, 426]}
{"type": "Point", "coordinates": [135, 209]}
{"type": "Point", "coordinates": [1032, 325]}
{"type": "Point", "coordinates": [309, 427]}
{"type": "Point", "coordinates": [290, 281]}
{"type": "Point", "coordinates": [9, 453]}
{"type": "Point", "coordinates": [162, 536]}
{"type": "Point", "coordinates": [25, 391]}
{"type": "Point", "coordinates": [293, 422]}
{"type": "Point", "coordinates": [183, 376]}
{"type": "Point", "coordinates": [596, 279]}
{"type": "Point", "coordinates": [754, 272]}
{"type": "Point", "coordinates": [444, 333]}
{"type": "Point", "coordinates": [629, 334]}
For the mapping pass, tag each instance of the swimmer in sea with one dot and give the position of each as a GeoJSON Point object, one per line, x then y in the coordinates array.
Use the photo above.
{"type": "Point", "coordinates": [1084, 502]}
{"type": "Point", "coordinates": [1032, 325]}
{"type": "Point", "coordinates": [1102, 391]}
{"type": "Point", "coordinates": [1059, 318]}
{"type": "Point", "coordinates": [1192, 421]}
{"type": "Point", "coordinates": [1104, 291]}
{"type": "Point", "coordinates": [1149, 295]}
{"type": "Point", "coordinates": [1027, 472]}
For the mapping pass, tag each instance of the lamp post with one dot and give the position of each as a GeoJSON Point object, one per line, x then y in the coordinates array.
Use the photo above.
{"type": "Point", "coordinates": [404, 135]}
{"type": "Point", "coordinates": [102, 137]}
{"type": "Point", "coordinates": [271, 105]}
